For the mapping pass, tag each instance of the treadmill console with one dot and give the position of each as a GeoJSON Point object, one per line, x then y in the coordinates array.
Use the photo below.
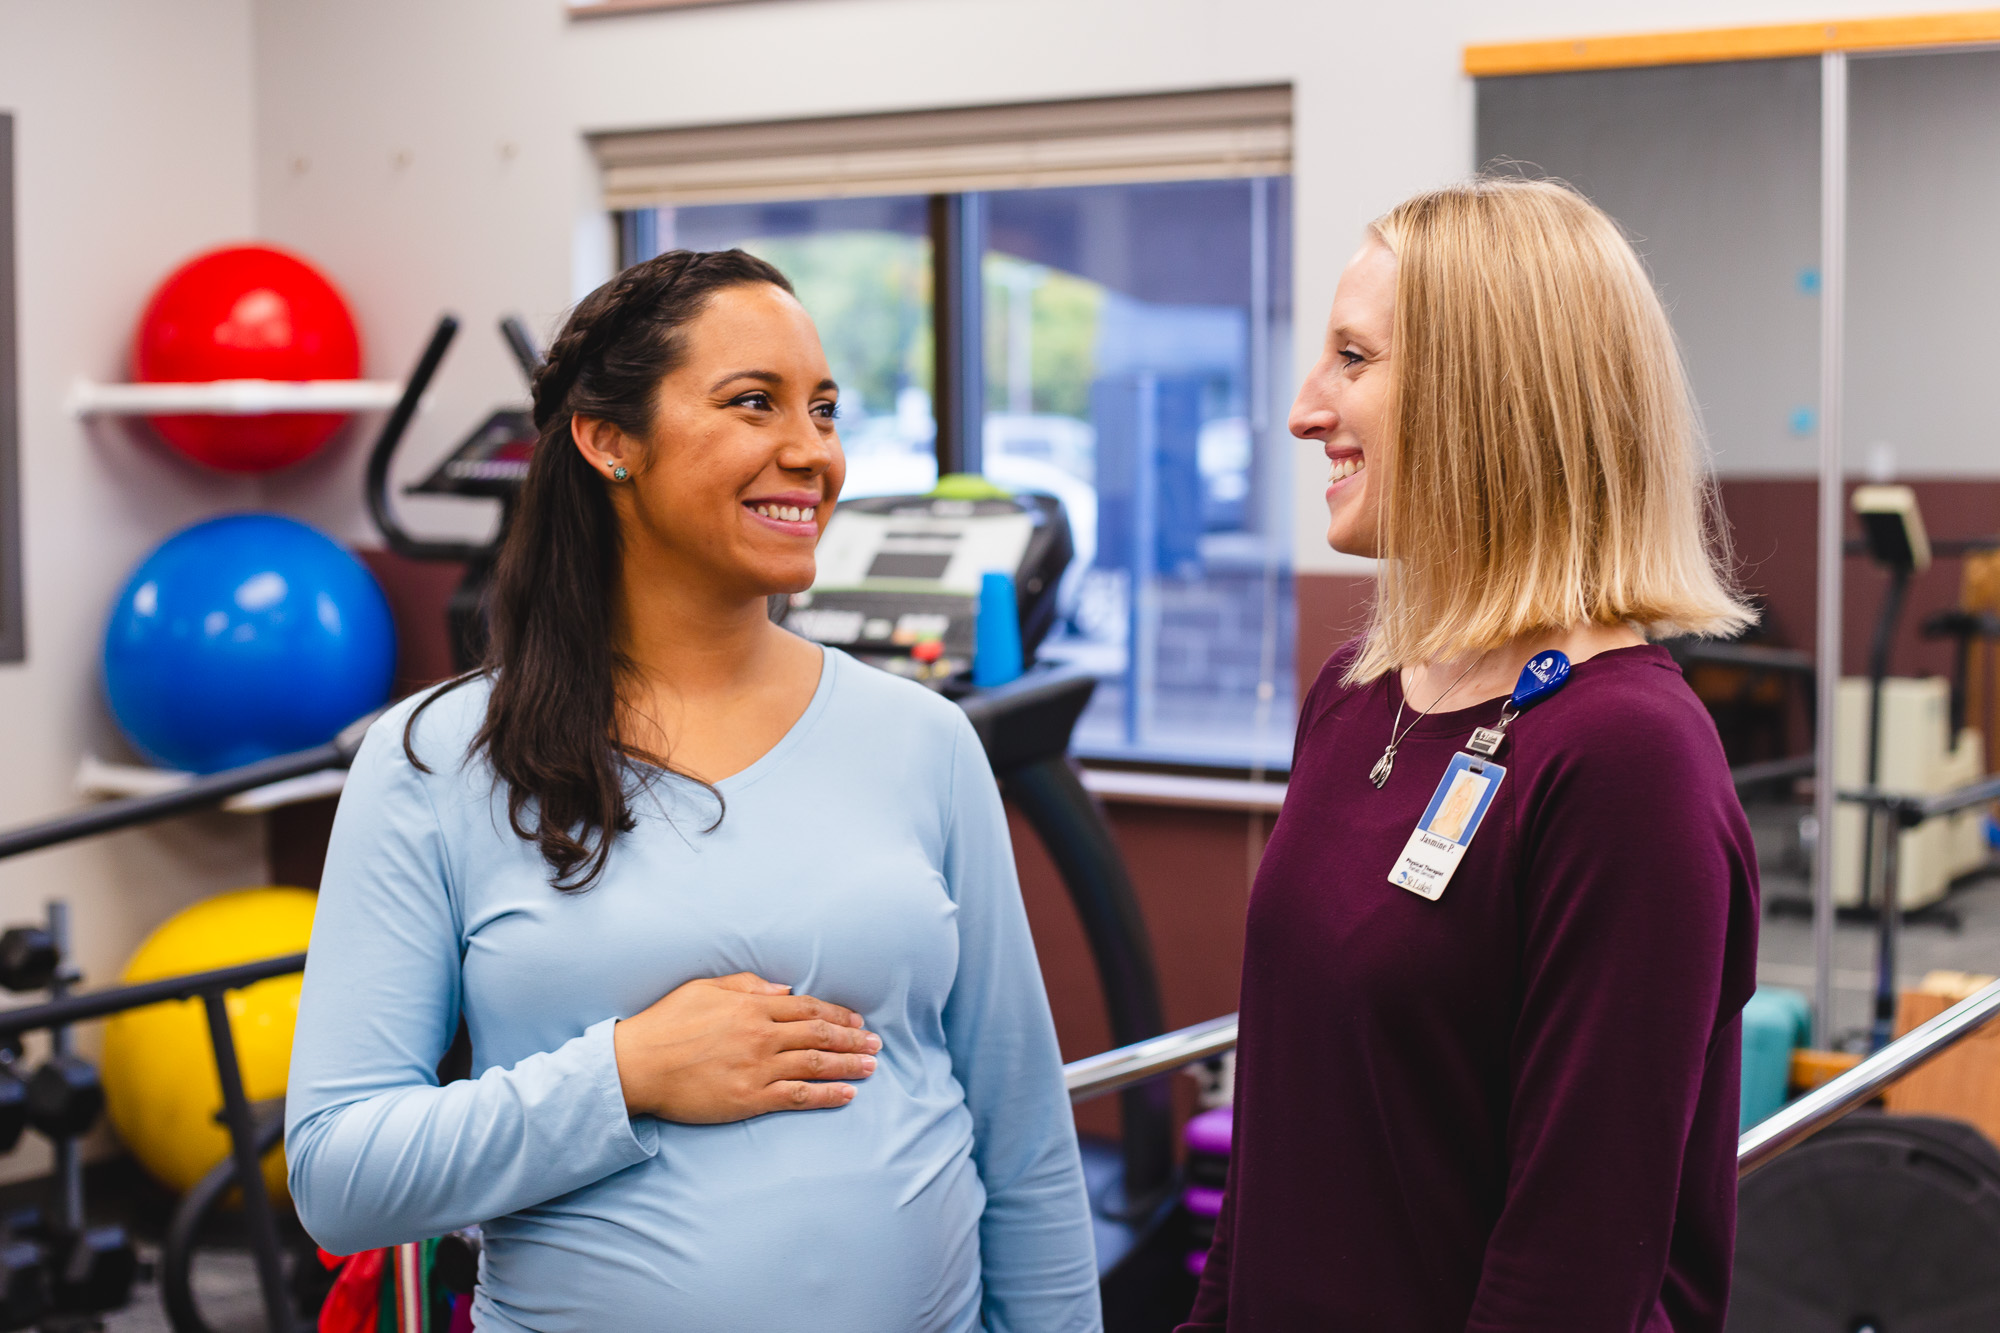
{"type": "Point", "coordinates": [899, 576]}
{"type": "Point", "coordinates": [492, 462]}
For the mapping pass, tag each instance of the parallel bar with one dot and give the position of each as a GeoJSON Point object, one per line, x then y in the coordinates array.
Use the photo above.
{"type": "Point", "coordinates": [1095, 1075]}
{"type": "Point", "coordinates": [195, 795]}
{"type": "Point", "coordinates": [1771, 770]}
{"type": "Point", "coordinates": [1950, 802]}
{"type": "Point", "coordinates": [98, 1004]}
{"type": "Point", "coordinates": [1835, 1098]}
{"type": "Point", "coordinates": [1913, 809]}
{"type": "Point", "coordinates": [1832, 519]}
{"type": "Point", "coordinates": [249, 1169]}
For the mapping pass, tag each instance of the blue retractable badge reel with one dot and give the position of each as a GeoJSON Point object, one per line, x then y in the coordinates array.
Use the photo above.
{"type": "Point", "coordinates": [1543, 676]}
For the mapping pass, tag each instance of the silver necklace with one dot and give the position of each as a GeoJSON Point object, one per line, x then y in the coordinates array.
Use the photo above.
{"type": "Point", "coordinates": [1397, 731]}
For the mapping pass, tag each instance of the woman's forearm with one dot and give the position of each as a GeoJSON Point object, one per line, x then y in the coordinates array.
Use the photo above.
{"type": "Point", "coordinates": [404, 1163]}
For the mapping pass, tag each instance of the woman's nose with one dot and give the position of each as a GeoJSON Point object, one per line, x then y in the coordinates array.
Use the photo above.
{"type": "Point", "coordinates": [1313, 414]}
{"type": "Point", "coordinates": [808, 450]}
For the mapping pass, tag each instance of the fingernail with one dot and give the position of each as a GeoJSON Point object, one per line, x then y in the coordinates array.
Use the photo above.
{"type": "Point", "coordinates": [846, 1094]}
{"type": "Point", "coordinates": [867, 1064]}
{"type": "Point", "coordinates": [874, 1042]}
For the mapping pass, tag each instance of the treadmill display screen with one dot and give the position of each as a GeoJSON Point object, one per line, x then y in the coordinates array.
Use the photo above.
{"type": "Point", "coordinates": [909, 565]}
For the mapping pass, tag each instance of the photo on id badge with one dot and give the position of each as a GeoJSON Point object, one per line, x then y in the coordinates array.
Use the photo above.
{"type": "Point", "coordinates": [1438, 842]}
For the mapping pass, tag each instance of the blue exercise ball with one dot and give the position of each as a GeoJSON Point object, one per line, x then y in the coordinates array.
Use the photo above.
{"type": "Point", "coordinates": [242, 638]}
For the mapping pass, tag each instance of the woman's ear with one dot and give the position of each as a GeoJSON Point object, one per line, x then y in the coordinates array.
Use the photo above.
{"type": "Point", "coordinates": [611, 453]}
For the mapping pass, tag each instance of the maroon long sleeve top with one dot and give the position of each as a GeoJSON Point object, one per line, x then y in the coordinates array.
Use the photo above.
{"type": "Point", "coordinates": [1513, 1108]}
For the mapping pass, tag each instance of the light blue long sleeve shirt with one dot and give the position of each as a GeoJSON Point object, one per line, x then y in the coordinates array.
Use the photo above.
{"type": "Point", "coordinates": [864, 860]}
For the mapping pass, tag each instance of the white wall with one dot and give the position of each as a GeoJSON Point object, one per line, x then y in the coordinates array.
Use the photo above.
{"type": "Point", "coordinates": [1382, 109]}
{"type": "Point", "coordinates": [133, 125]}
{"type": "Point", "coordinates": [1923, 310]}
{"type": "Point", "coordinates": [1714, 172]}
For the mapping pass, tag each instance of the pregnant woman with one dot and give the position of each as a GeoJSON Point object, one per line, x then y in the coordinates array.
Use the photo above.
{"type": "Point", "coordinates": [759, 1040]}
{"type": "Point", "coordinates": [1508, 915]}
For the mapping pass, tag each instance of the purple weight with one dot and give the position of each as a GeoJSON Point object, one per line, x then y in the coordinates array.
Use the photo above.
{"type": "Point", "coordinates": [1196, 1261]}
{"type": "Point", "coordinates": [1202, 1202]}
{"type": "Point", "coordinates": [1209, 1132]}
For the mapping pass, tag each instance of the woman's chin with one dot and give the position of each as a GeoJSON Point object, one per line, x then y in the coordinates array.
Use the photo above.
{"type": "Point", "coordinates": [1345, 541]}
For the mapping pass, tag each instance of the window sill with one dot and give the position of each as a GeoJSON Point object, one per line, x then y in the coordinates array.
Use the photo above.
{"type": "Point", "coordinates": [1127, 787]}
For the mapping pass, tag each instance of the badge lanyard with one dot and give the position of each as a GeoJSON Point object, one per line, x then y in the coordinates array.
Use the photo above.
{"type": "Point", "coordinates": [1465, 793]}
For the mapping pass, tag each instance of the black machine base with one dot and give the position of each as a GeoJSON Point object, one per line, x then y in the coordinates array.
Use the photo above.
{"type": "Point", "coordinates": [1882, 1223]}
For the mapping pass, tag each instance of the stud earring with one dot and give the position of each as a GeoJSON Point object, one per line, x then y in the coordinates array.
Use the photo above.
{"type": "Point", "coordinates": [619, 474]}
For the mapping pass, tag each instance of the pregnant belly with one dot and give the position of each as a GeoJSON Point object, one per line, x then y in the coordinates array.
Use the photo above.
{"type": "Point", "coordinates": [730, 1228]}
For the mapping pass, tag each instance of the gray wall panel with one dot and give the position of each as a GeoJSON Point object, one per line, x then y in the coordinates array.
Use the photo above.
{"type": "Point", "coordinates": [1713, 170]}
{"type": "Point", "coordinates": [1923, 305]}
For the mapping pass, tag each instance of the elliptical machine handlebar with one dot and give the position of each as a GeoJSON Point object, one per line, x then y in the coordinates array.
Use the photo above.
{"type": "Point", "coordinates": [379, 508]}
{"type": "Point", "coordinates": [522, 344]}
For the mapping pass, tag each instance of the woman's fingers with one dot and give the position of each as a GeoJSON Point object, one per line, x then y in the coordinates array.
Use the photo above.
{"type": "Point", "coordinates": [749, 983]}
{"type": "Point", "coordinates": [819, 1035]}
{"type": "Point", "coordinates": [807, 1096]}
{"type": "Point", "coordinates": [799, 1008]}
{"type": "Point", "coordinates": [820, 1065]}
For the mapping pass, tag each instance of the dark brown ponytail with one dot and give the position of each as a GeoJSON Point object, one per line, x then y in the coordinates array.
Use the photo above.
{"type": "Point", "coordinates": [551, 728]}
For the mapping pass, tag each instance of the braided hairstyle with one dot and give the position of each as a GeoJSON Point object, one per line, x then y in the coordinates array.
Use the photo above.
{"type": "Point", "coordinates": [551, 727]}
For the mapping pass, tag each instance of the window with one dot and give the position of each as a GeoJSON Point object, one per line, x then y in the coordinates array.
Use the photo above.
{"type": "Point", "coordinates": [1115, 345]}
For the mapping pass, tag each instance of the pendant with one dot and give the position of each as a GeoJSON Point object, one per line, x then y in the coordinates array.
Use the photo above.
{"type": "Point", "coordinates": [1380, 773]}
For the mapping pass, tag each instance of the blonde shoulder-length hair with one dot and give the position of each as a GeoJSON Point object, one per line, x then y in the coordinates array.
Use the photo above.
{"type": "Point", "coordinates": [1543, 465]}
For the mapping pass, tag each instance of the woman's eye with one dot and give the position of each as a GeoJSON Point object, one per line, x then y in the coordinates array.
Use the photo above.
{"type": "Point", "coordinates": [759, 401]}
{"type": "Point", "coordinates": [827, 411]}
{"type": "Point", "coordinates": [1350, 357]}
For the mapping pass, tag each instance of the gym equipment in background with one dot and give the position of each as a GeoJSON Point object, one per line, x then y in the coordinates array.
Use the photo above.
{"type": "Point", "coordinates": [1776, 1022]}
{"type": "Point", "coordinates": [1206, 1138]}
{"type": "Point", "coordinates": [489, 464]}
{"type": "Point", "coordinates": [246, 312]}
{"type": "Point", "coordinates": [242, 638]}
{"type": "Point", "coordinates": [56, 1269]}
{"type": "Point", "coordinates": [159, 1083]}
{"type": "Point", "coordinates": [1917, 754]}
{"type": "Point", "coordinates": [900, 577]}
{"type": "Point", "coordinates": [1877, 1223]}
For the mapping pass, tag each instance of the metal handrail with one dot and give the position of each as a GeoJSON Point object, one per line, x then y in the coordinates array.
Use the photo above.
{"type": "Point", "coordinates": [1122, 1066]}
{"type": "Point", "coordinates": [1838, 1096]}
{"type": "Point", "coordinates": [1912, 809]}
{"type": "Point", "coordinates": [197, 793]}
{"type": "Point", "coordinates": [1108, 1071]}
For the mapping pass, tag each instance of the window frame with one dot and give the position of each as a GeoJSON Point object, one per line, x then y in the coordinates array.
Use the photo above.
{"type": "Point", "coordinates": [13, 611]}
{"type": "Point", "coordinates": [956, 226]}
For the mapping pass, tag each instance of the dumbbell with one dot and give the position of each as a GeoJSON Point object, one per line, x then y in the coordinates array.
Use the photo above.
{"type": "Point", "coordinates": [13, 1095]}
{"type": "Point", "coordinates": [24, 1283]}
{"type": "Point", "coordinates": [29, 958]}
{"type": "Point", "coordinates": [92, 1271]}
{"type": "Point", "coordinates": [65, 1097]}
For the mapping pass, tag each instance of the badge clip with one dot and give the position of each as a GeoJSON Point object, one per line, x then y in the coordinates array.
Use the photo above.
{"type": "Point", "coordinates": [1544, 675]}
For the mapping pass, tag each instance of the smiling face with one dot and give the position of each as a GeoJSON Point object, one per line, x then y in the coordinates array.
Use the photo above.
{"type": "Point", "coordinates": [1344, 403]}
{"type": "Point", "coordinates": [739, 475]}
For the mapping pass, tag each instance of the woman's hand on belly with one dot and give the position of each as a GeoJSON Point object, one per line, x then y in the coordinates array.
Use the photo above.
{"type": "Point", "coordinates": [729, 1048]}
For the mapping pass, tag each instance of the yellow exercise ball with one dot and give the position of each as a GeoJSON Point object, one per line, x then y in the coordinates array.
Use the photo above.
{"type": "Point", "coordinates": [160, 1085]}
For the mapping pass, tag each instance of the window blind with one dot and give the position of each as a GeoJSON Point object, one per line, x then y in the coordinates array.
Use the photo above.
{"type": "Point", "coordinates": [1164, 137]}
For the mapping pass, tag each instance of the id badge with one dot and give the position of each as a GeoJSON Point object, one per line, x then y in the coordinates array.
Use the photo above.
{"type": "Point", "coordinates": [1438, 843]}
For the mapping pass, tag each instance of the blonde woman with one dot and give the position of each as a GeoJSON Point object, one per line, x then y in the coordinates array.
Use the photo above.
{"type": "Point", "coordinates": [1488, 1073]}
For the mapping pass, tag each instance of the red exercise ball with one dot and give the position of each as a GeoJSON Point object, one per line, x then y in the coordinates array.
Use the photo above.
{"type": "Point", "coordinates": [247, 312]}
